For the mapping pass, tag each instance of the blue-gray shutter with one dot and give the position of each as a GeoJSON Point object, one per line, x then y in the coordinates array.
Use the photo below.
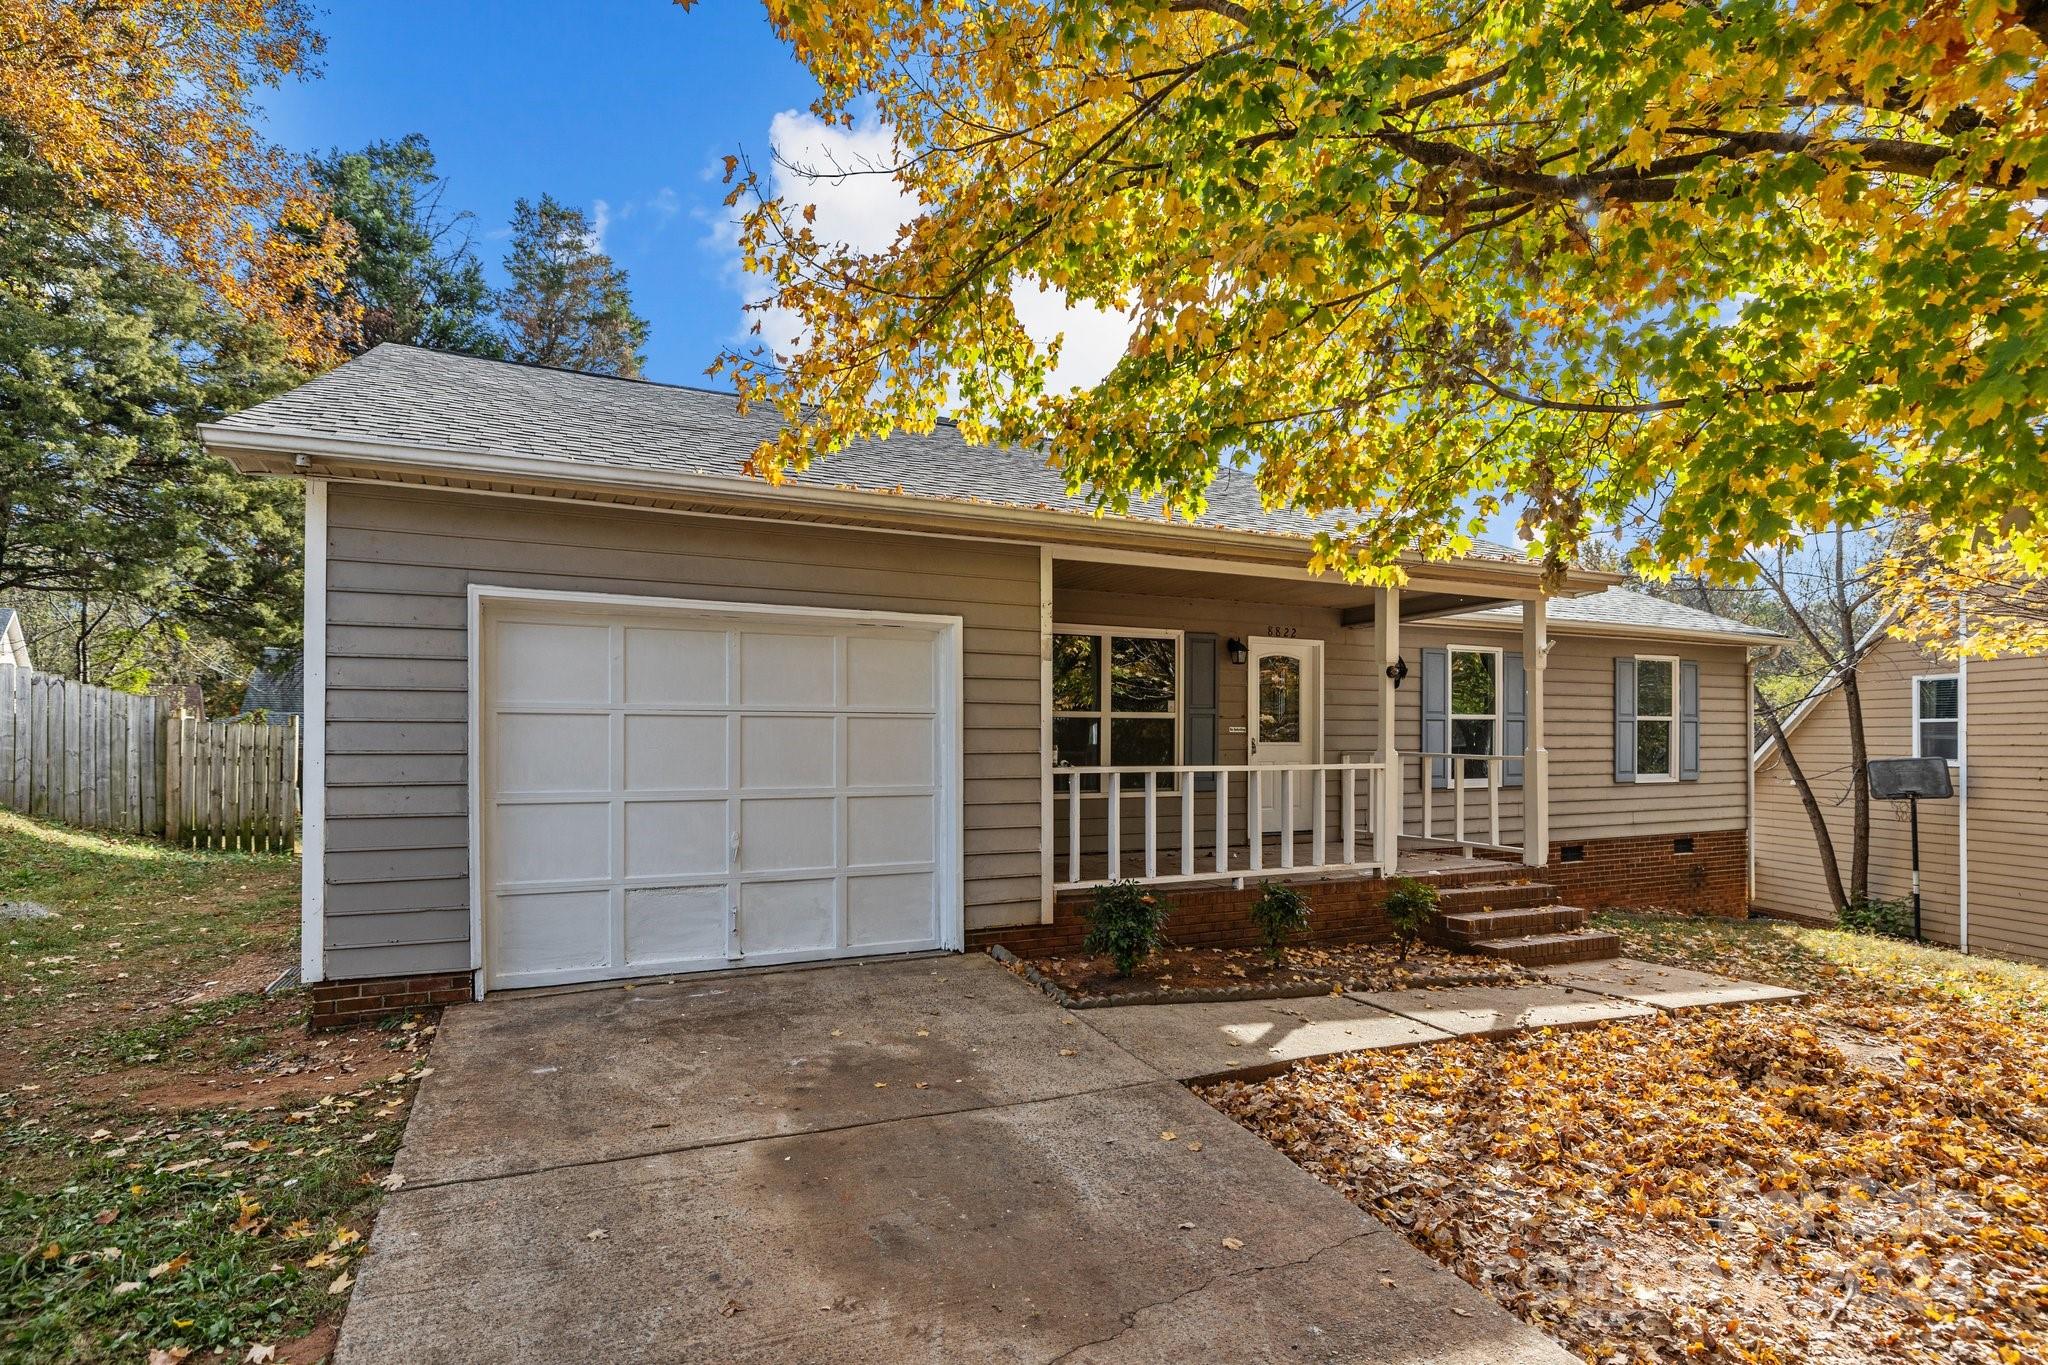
{"type": "Point", "coordinates": [1436, 712]}
{"type": "Point", "coordinates": [1198, 713]}
{"type": "Point", "coordinates": [1688, 721]}
{"type": "Point", "coordinates": [1514, 711]}
{"type": "Point", "coordinates": [1624, 720]}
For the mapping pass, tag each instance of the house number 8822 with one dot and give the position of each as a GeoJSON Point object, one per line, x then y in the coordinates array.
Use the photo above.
{"type": "Point", "coordinates": [1284, 632]}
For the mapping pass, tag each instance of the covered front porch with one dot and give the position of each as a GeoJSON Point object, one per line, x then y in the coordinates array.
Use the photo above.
{"type": "Point", "coordinates": [1225, 723]}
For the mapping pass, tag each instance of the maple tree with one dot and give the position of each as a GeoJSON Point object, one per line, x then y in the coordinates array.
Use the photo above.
{"type": "Point", "coordinates": [1986, 599]}
{"type": "Point", "coordinates": [1750, 268]}
{"type": "Point", "coordinates": [144, 108]}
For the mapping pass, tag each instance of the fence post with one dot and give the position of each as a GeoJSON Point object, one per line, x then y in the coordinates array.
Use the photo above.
{"type": "Point", "coordinates": [174, 777]}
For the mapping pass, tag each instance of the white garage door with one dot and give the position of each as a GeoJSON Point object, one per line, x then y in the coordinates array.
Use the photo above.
{"type": "Point", "coordinates": [691, 787]}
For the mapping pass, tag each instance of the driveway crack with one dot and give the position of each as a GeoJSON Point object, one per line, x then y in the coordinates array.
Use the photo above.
{"type": "Point", "coordinates": [1130, 1317]}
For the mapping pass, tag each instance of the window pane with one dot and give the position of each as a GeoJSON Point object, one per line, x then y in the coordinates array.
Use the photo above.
{"type": "Point", "coordinates": [1279, 699]}
{"type": "Point", "coordinates": [1471, 736]}
{"type": "Point", "coordinates": [1653, 748]}
{"type": "Point", "coordinates": [1472, 690]}
{"type": "Point", "coordinates": [1938, 740]}
{"type": "Point", "coordinates": [1141, 744]}
{"type": "Point", "coordinates": [1077, 742]}
{"type": "Point", "coordinates": [1076, 673]}
{"type": "Point", "coordinates": [1938, 699]}
{"type": "Point", "coordinates": [1653, 691]}
{"type": "Point", "coordinates": [1140, 674]}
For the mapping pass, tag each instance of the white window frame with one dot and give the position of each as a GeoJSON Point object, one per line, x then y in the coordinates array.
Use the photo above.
{"type": "Point", "coordinates": [1108, 717]}
{"type": "Point", "coordinates": [1670, 718]}
{"type": "Point", "coordinates": [1452, 715]}
{"type": "Point", "coordinates": [1955, 720]}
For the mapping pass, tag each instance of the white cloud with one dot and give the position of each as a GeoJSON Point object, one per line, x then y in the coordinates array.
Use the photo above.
{"type": "Point", "coordinates": [843, 171]}
{"type": "Point", "coordinates": [600, 220]}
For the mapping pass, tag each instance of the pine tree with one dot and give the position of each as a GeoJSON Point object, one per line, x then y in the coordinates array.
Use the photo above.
{"type": "Point", "coordinates": [567, 305]}
{"type": "Point", "coordinates": [412, 271]}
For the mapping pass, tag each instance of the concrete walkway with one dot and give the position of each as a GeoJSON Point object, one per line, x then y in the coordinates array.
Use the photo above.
{"type": "Point", "coordinates": [909, 1161]}
{"type": "Point", "coordinates": [1253, 1038]}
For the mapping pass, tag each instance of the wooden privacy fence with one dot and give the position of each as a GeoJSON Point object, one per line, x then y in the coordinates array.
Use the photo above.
{"type": "Point", "coordinates": [231, 784]}
{"type": "Point", "coordinates": [102, 759]}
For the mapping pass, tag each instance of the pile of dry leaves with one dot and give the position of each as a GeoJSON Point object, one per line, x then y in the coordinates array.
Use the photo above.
{"type": "Point", "coordinates": [1834, 1181]}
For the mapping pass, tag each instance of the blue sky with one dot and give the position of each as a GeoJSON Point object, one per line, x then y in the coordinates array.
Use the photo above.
{"type": "Point", "coordinates": [628, 102]}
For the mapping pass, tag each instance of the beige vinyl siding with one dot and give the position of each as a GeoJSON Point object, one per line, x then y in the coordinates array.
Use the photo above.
{"type": "Point", "coordinates": [400, 564]}
{"type": "Point", "coordinates": [1585, 800]}
{"type": "Point", "coordinates": [2008, 753]}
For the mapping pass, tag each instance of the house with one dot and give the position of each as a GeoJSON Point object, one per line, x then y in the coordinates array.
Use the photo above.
{"type": "Point", "coordinates": [584, 702]}
{"type": "Point", "coordinates": [1982, 881]}
{"type": "Point", "coordinates": [13, 644]}
{"type": "Point", "coordinates": [276, 687]}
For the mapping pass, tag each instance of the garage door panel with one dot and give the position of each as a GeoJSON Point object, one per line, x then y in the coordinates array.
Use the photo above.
{"type": "Point", "coordinates": [675, 753]}
{"type": "Point", "coordinates": [676, 789]}
{"type": "Point", "coordinates": [666, 924]}
{"type": "Point", "coordinates": [675, 667]}
{"type": "Point", "coordinates": [890, 751]}
{"type": "Point", "coordinates": [552, 841]}
{"type": "Point", "coordinates": [788, 834]}
{"type": "Point", "coordinates": [787, 917]}
{"type": "Point", "coordinates": [889, 829]}
{"type": "Point", "coordinates": [551, 932]}
{"type": "Point", "coordinates": [546, 662]}
{"type": "Point", "coordinates": [891, 671]}
{"type": "Point", "coordinates": [787, 751]}
{"type": "Point", "coordinates": [787, 670]}
{"type": "Point", "coordinates": [676, 839]}
{"type": "Point", "coordinates": [890, 909]}
{"type": "Point", "coordinates": [553, 752]}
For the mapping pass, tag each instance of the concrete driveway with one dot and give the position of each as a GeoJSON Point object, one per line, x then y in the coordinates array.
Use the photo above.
{"type": "Point", "coordinates": [907, 1161]}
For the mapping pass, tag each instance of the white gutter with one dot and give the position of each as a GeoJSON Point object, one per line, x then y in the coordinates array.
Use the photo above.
{"type": "Point", "coordinates": [1962, 784]}
{"type": "Point", "coordinates": [225, 439]}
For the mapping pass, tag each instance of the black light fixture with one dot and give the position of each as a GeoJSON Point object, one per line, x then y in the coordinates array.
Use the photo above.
{"type": "Point", "coordinates": [1398, 671]}
{"type": "Point", "coordinates": [1238, 652]}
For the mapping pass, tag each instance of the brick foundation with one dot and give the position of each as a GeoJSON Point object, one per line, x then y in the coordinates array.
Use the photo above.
{"type": "Point", "coordinates": [1643, 871]}
{"type": "Point", "coordinates": [1648, 872]}
{"type": "Point", "coordinates": [345, 1004]}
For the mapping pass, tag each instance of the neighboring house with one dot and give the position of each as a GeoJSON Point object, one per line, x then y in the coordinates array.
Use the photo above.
{"type": "Point", "coordinates": [1983, 883]}
{"type": "Point", "coordinates": [276, 687]}
{"type": "Point", "coordinates": [13, 644]}
{"type": "Point", "coordinates": [584, 702]}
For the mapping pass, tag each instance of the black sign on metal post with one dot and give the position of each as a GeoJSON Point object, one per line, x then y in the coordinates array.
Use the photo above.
{"type": "Point", "coordinates": [1910, 780]}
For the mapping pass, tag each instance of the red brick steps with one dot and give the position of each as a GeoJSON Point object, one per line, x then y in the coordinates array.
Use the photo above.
{"type": "Point", "coordinates": [1520, 922]}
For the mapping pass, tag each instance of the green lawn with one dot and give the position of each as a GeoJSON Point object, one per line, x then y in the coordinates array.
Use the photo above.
{"type": "Point", "coordinates": [184, 1168]}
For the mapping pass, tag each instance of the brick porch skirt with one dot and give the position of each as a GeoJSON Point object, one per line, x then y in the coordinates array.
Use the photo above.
{"type": "Point", "coordinates": [347, 1004]}
{"type": "Point", "coordinates": [1645, 871]}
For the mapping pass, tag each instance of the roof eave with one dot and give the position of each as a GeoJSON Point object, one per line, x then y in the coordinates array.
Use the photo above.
{"type": "Point", "coordinates": [257, 451]}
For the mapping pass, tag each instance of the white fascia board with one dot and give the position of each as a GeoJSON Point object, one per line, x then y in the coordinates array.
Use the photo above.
{"type": "Point", "coordinates": [226, 440]}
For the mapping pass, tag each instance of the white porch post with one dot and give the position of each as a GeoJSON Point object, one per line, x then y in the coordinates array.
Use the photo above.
{"type": "Point", "coordinates": [1535, 757]}
{"type": "Point", "coordinates": [1386, 630]}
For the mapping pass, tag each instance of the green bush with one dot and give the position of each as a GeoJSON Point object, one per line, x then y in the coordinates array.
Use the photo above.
{"type": "Point", "coordinates": [1280, 913]}
{"type": "Point", "coordinates": [1410, 904]}
{"type": "Point", "coordinates": [1123, 924]}
{"type": "Point", "coordinates": [1881, 917]}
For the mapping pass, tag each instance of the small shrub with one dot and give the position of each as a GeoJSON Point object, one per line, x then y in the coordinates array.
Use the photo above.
{"type": "Point", "coordinates": [1880, 917]}
{"type": "Point", "coordinates": [1410, 904]}
{"type": "Point", "coordinates": [1123, 924]}
{"type": "Point", "coordinates": [1280, 912]}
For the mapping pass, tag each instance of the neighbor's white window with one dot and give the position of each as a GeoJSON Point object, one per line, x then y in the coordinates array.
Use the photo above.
{"type": "Point", "coordinates": [1937, 716]}
{"type": "Point", "coordinates": [1475, 706]}
{"type": "Point", "coordinates": [1116, 700]}
{"type": "Point", "coordinates": [1656, 719]}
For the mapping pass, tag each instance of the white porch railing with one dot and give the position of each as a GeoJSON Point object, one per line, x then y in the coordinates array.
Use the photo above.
{"type": "Point", "coordinates": [1459, 780]}
{"type": "Point", "coordinates": [1350, 794]}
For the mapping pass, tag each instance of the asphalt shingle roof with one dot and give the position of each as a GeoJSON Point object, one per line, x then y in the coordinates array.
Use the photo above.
{"type": "Point", "coordinates": [1627, 607]}
{"type": "Point", "coordinates": [434, 400]}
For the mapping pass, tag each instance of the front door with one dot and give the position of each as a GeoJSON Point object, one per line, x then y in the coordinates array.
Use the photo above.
{"type": "Point", "coordinates": [1284, 696]}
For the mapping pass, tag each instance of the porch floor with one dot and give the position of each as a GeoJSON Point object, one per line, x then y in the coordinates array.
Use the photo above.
{"type": "Point", "coordinates": [1414, 860]}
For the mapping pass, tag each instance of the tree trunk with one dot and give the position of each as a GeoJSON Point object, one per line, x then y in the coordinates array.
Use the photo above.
{"type": "Point", "coordinates": [1823, 838]}
{"type": "Point", "coordinates": [1859, 786]}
